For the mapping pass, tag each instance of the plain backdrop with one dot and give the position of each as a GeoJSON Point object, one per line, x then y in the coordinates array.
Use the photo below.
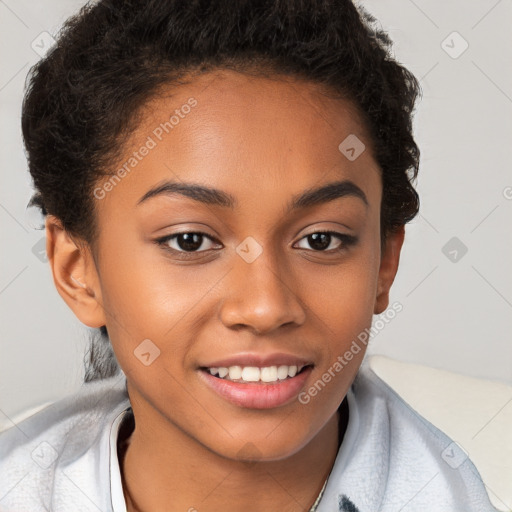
{"type": "Point", "coordinates": [455, 278]}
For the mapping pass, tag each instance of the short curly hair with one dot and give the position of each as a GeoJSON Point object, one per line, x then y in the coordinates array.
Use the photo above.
{"type": "Point", "coordinates": [84, 98]}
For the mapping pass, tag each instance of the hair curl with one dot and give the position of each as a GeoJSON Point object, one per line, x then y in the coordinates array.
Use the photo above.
{"type": "Point", "coordinates": [84, 98]}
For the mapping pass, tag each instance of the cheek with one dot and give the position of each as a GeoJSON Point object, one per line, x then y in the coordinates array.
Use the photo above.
{"type": "Point", "coordinates": [143, 291]}
{"type": "Point", "coordinates": [147, 297]}
{"type": "Point", "coordinates": [345, 294]}
{"type": "Point", "coordinates": [344, 302]}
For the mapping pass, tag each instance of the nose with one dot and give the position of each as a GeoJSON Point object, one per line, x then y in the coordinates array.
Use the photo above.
{"type": "Point", "coordinates": [261, 296]}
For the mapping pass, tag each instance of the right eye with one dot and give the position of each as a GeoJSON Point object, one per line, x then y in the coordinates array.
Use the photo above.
{"type": "Point", "coordinates": [185, 242]}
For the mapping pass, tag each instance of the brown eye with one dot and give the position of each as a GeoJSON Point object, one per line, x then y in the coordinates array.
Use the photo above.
{"type": "Point", "coordinates": [190, 241]}
{"type": "Point", "coordinates": [327, 241]}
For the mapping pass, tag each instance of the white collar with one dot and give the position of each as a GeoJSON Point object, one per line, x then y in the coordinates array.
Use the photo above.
{"type": "Point", "coordinates": [116, 485]}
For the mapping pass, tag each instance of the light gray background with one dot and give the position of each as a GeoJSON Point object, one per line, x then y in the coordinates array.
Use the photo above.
{"type": "Point", "coordinates": [457, 315]}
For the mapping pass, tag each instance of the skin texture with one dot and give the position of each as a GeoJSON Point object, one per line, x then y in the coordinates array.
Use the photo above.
{"type": "Point", "coordinates": [262, 141]}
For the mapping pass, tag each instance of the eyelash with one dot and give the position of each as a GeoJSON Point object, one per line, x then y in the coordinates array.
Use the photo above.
{"type": "Point", "coordinates": [346, 242]}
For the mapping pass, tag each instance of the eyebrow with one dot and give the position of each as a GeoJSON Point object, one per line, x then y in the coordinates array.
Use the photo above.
{"type": "Point", "coordinates": [216, 197]}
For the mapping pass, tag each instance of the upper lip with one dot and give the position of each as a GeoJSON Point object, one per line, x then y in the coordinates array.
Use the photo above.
{"type": "Point", "coordinates": [258, 360]}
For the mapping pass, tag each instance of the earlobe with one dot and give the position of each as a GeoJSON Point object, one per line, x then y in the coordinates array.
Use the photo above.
{"type": "Point", "coordinates": [74, 274]}
{"type": "Point", "coordinates": [390, 258]}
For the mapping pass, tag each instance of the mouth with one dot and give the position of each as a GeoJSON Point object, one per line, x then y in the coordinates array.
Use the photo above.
{"type": "Point", "coordinates": [255, 374]}
{"type": "Point", "coordinates": [257, 387]}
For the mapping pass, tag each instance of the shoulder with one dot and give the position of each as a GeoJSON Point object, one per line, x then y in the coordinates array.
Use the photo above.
{"type": "Point", "coordinates": [411, 458]}
{"type": "Point", "coordinates": [35, 451]}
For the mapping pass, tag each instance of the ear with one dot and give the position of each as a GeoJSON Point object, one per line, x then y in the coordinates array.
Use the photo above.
{"type": "Point", "coordinates": [388, 267]}
{"type": "Point", "coordinates": [74, 274]}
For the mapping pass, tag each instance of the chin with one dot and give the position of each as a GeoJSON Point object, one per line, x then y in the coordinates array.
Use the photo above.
{"type": "Point", "coordinates": [259, 448]}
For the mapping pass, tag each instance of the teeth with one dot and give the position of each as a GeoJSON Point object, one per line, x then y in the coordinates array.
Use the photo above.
{"type": "Point", "coordinates": [255, 374]}
{"type": "Point", "coordinates": [222, 372]}
{"type": "Point", "coordinates": [268, 374]}
{"type": "Point", "coordinates": [250, 374]}
{"type": "Point", "coordinates": [235, 372]}
{"type": "Point", "coordinates": [282, 372]}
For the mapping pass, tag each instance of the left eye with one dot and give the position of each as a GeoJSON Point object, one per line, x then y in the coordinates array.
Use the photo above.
{"type": "Point", "coordinates": [321, 241]}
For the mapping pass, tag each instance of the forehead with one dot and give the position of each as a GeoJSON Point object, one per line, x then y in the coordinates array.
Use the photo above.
{"type": "Point", "coordinates": [246, 134]}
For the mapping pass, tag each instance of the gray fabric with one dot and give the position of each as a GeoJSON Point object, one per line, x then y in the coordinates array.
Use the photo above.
{"type": "Point", "coordinates": [395, 460]}
{"type": "Point", "coordinates": [391, 458]}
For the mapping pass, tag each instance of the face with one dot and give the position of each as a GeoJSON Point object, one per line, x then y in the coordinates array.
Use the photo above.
{"type": "Point", "coordinates": [256, 277]}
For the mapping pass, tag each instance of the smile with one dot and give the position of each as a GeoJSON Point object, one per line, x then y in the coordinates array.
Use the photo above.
{"type": "Point", "coordinates": [265, 374]}
{"type": "Point", "coordinates": [256, 387]}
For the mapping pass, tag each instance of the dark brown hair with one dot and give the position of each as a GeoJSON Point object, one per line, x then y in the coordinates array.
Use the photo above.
{"type": "Point", "coordinates": [83, 99]}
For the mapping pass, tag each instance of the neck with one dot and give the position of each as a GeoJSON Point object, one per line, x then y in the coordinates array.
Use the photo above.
{"type": "Point", "coordinates": [186, 476]}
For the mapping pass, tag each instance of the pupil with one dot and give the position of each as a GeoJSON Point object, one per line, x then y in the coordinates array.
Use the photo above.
{"type": "Point", "coordinates": [319, 245]}
{"type": "Point", "coordinates": [191, 241]}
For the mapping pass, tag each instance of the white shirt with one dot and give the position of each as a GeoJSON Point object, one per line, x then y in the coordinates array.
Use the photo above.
{"type": "Point", "coordinates": [391, 459]}
{"type": "Point", "coordinates": [116, 486]}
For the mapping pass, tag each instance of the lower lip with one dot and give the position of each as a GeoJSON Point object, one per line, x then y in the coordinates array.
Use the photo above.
{"type": "Point", "coordinates": [257, 395]}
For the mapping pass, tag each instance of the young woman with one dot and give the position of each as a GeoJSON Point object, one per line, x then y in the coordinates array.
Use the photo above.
{"type": "Point", "coordinates": [225, 186]}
